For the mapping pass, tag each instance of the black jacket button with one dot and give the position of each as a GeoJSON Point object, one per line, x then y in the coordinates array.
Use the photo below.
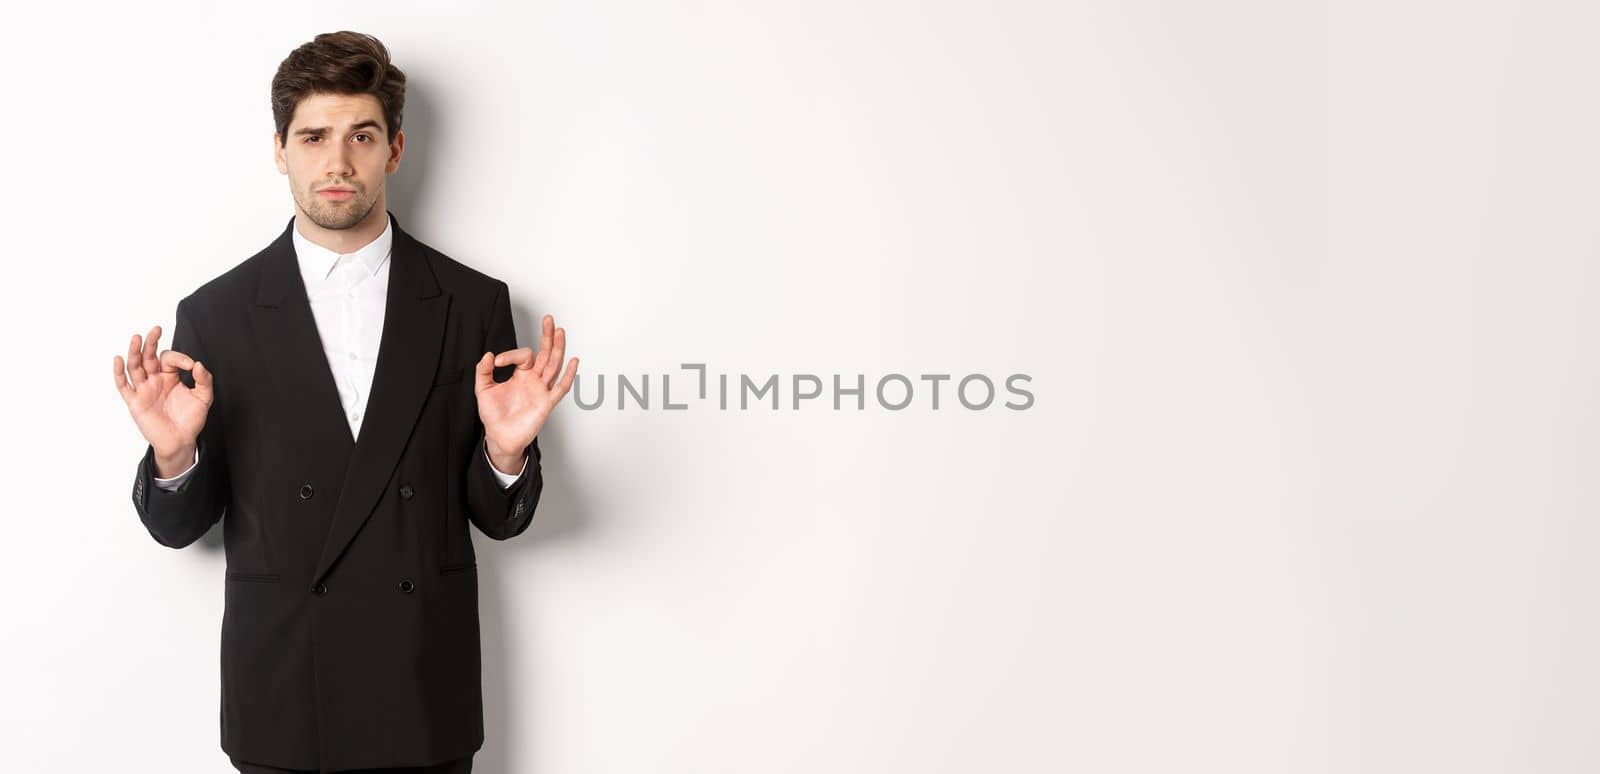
{"type": "Point", "coordinates": [320, 589]}
{"type": "Point", "coordinates": [305, 492]}
{"type": "Point", "coordinates": [406, 585]}
{"type": "Point", "coordinates": [406, 491]}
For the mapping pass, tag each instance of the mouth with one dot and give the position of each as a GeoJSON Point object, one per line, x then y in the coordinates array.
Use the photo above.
{"type": "Point", "coordinates": [337, 194]}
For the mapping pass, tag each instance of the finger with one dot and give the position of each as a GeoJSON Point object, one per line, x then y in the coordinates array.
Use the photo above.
{"type": "Point", "coordinates": [547, 337]}
{"type": "Point", "coordinates": [173, 361]}
{"type": "Point", "coordinates": [484, 376]}
{"type": "Point", "coordinates": [522, 357]}
{"type": "Point", "coordinates": [136, 360]}
{"type": "Point", "coordinates": [553, 366]}
{"type": "Point", "coordinates": [538, 362]}
{"type": "Point", "coordinates": [123, 387]}
{"type": "Point", "coordinates": [152, 366]}
{"type": "Point", "coordinates": [565, 384]}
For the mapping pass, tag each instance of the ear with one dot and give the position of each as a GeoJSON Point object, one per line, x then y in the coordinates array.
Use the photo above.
{"type": "Point", "coordinates": [277, 155]}
{"type": "Point", "coordinates": [397, 148]}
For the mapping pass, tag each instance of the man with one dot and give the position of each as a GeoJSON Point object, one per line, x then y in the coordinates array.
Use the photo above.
{"type": "Point", "coordinates": [337, 401]}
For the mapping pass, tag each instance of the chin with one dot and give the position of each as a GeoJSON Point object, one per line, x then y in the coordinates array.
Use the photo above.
{"type": "Point", "coordinates": [339, 218]}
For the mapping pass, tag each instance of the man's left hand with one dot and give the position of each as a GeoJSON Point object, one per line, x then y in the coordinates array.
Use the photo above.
{"type": "Point", "coordinates": [514, 410]}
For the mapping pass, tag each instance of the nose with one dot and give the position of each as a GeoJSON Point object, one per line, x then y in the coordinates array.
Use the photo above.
{"type": "Point", "coordinates": [338, 164]}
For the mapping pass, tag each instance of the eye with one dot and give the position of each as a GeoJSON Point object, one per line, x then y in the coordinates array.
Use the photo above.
{"type": "Point", "coordinates": [309, 138]}
{"type": "Point", "coordinates": [364, 134]}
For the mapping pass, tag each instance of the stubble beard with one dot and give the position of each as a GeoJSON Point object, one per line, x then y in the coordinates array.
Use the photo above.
{"type": "Point", "coordinates": [337, 216]}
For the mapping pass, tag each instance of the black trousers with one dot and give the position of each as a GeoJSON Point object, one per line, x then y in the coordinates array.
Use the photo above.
{"type": "Point", "coordinates": [457, 766]}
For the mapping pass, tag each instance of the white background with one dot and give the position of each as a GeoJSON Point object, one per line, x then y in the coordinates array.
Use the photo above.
{"type": "Point", "coordinates": [1305, 290]}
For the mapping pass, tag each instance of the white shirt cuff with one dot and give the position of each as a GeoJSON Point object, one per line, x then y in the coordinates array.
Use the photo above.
{"type": "Point", "coordinates": [505, 479]}
{"type": "Point", "coordinates": [170, 484]}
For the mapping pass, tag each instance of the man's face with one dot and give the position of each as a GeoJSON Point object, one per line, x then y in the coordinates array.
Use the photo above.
{"type": "Point", "coordinates": [337, 157]}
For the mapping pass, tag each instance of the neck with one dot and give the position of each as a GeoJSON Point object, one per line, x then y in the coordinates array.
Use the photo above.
{"type": "Point", "coordinates": [346, 240]}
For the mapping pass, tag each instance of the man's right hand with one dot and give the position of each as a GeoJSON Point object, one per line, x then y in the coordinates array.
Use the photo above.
{"type": "Point", "coordinates": [169, 414]}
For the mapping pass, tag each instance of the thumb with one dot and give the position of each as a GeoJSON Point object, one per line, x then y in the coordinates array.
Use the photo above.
{"type": "Point", "coordinates": [202, 382]}
{"type": "Point", "coordinates": [483, 377]}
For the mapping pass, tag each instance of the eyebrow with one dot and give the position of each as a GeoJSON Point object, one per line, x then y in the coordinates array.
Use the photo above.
{"type": "Point", "coordinates": [367, 124]}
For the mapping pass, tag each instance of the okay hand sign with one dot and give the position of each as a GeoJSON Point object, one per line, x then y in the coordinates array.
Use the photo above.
{"type": "Point", "coordinates": [168, 414]}
{"type": "Point", "coordinates": [514, 410]}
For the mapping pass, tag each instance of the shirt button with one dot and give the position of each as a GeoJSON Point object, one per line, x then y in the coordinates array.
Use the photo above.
{"type": "Point", "coordinates": [352, 356]}
{"type": "Point", "coordinates": [407, 586]}
{"type": "Point", "coordinates": [320, 589]}
{"type": "Point", "coordinates": [305, 492]}
{"type": "Point", "coordinates": [406, 491]}
{"type": "Point", "coordinates": [355, 415]}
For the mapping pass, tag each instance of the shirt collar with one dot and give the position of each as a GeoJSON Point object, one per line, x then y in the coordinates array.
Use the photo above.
{"type": "Point", "coordinates": [317, 262]}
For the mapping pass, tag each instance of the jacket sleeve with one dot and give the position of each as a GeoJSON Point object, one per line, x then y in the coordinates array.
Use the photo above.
{"type": "Point", "coordinates": [179, 517]}
{"type": "Point", "coordinates": [501, 512]}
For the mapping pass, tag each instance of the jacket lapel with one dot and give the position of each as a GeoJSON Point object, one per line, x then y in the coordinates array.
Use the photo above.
{"type": "Point", "coordinates": [408, 355]}
{"type": "Point", "coordinates": [291, 350]}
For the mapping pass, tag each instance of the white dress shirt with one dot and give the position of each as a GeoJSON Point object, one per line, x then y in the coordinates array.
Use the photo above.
{"type": "Point", "coordinates": [348, 295]}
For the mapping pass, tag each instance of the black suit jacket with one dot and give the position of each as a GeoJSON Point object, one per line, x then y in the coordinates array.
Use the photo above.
{"type": "Point", "coordinates": [350, 618]}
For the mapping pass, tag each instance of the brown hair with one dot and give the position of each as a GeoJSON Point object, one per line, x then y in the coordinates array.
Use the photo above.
{"type": "Point", "coordinates": [338, 63]}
